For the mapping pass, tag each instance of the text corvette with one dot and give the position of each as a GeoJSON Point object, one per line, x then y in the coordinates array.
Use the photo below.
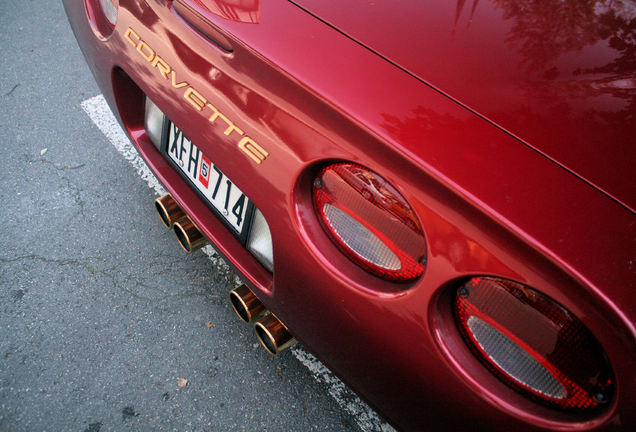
{"type": "Point", "coordinates": [435, 198]}
{"type": "Point", "coordinates": [198, 101]}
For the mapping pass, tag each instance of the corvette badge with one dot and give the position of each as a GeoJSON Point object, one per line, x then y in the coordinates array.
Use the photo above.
{"type": "Point", "coordinates": [246, 144]}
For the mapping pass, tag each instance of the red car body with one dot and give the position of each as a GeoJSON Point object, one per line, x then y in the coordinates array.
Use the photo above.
{"type": "Point", "coordinates": [507, 126]}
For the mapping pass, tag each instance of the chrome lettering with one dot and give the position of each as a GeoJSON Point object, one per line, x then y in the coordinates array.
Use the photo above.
{"type": "Point", "coordinates": [253, 150]}
{"type": "Point", "coordinates": [174, 81]}
{"type": "Point", "coordinates": [195, 98]}
{"type": "Point", "coordinates": [164, 68]}
{"type": "Point", "coordinates": [130, 32]}
{"type": "Point", "coordinates": [231, 127]}
{"type": "Point", "coordinates": [141, 48]}
{"type": "Point", "coordinates": [247, 145]}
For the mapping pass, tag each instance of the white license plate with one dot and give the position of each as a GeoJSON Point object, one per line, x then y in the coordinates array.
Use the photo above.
{"type": "Point", "coordinates": [230, 202]}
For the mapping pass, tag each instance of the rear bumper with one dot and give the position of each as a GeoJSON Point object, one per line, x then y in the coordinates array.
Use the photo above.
{"type": "Point", "coordinates": [397, 345]}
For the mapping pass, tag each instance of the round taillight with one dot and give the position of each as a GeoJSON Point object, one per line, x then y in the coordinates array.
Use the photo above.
{"type": "Point", "coordinates": [533, 344]}
{"type": "Point", "coordinates": [110, 10]}
{"type": "Point", "coordinates": [369, 221]}
{"type": "Point", "coordinates": [102, 14]}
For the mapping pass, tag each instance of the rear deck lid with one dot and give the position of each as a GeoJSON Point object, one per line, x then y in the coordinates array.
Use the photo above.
{"type": "Point", "coordinates": [558, 74]}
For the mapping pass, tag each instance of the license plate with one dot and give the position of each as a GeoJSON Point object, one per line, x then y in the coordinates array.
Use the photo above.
{"type": "Point", "coordinates": [216, 188]}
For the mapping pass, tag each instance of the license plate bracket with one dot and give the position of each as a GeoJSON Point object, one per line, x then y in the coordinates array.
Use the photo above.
{"type": "Point", "coordinates": [218, 192]}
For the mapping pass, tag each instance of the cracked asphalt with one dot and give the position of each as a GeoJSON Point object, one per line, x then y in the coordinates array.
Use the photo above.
{"type": "Point", "coordinates": [100, 310]}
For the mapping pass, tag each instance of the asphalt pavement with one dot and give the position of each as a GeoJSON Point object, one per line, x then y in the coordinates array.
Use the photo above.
{"type": "Point", "coordinates": [105, 324]}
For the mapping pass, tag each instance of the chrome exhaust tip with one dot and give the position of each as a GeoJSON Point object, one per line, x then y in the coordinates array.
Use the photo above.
{"type": "Point", "coordinates": [168, 210]}
{"type": "Point", "coordinates": [273, 334]}
{"type": "Point", "coordinates": [246, 305]}
{"type": "Point", "coordinates": [188, 235]}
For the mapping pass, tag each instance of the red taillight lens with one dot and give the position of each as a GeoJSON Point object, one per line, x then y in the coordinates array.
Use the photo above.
{"type": "Point", "coordinates": [369, 221]}
{"type": "Point", "coordinates": [533, 344]}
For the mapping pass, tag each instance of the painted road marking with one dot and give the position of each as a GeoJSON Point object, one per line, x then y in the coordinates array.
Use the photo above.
{"type": "Point", "coordinates": [367, 419]}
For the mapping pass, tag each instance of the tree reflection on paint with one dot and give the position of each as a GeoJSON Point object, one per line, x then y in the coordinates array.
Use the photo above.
{"type": "Point", "coordinates": [544, 30]}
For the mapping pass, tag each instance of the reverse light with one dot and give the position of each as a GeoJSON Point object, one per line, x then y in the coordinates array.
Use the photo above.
{"type": "Point", "coordinates": [533, 344]}
{"type": "Point", "coordinates": [153, 122]}
{"type": "Point", "coordinates": [369, 221]}
{"type": "Point", "coordinates": [259, 242]}
{"type": "Point", "coordinates": [110, 10]}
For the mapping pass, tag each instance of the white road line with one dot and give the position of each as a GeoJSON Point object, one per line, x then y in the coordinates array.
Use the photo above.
{"type": "Point", "coordinates": [367, 419]}
{"type": "Point", "coordinates": [99, 112]}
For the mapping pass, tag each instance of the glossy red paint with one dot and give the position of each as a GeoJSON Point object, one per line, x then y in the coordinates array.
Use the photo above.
{"type": "Point", "coordinates": [488, 203]}
{"type": "Point", "coordinates": [559, 75]}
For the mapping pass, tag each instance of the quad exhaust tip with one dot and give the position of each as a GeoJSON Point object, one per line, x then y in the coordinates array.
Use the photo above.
{"type": "Point", "coordinates": [273, 334]}
{"type": "Point", "coordinates": [168, 210]}
{"type": "Point", "coordinates": [246, 305]}
{"type": "Point", "coordinates": [188, 235]}
{"type": "Point", "coordinates": [173, 216]}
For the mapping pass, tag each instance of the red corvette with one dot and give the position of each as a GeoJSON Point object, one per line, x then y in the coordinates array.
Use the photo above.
{"type": "Point", "coordinates": [437, 199]}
